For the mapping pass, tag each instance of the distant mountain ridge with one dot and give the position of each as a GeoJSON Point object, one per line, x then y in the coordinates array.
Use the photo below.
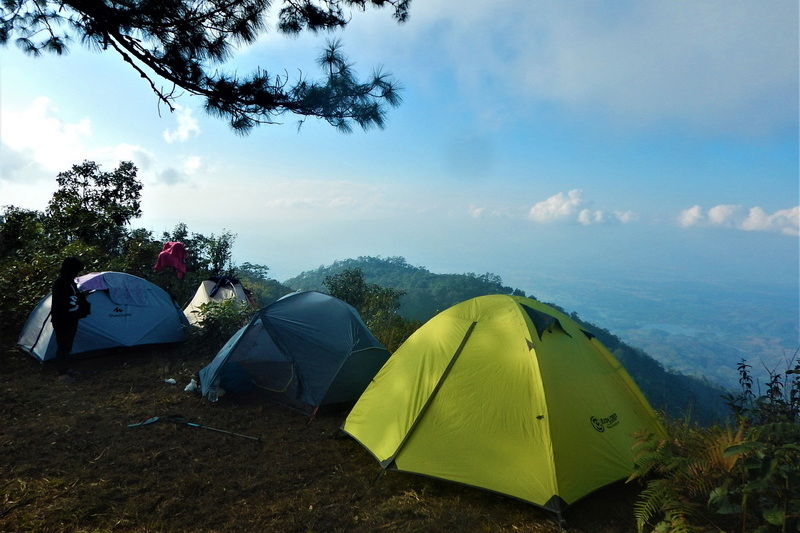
{"type": "Point", "coordinates": [427, 294]}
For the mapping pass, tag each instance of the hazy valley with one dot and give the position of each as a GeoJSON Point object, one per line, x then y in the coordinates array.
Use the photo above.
{"type": "Point", "coordinates": [700, 329]}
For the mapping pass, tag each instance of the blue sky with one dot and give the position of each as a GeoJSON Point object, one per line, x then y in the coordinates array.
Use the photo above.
{"type": "Point", "coordinates": [609, 140]}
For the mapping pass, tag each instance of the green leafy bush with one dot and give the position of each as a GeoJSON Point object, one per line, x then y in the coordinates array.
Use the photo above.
{"type": "Point", "coordinates": [217, 322]}
{"type": "Point", "coordinates": [377, 305]}
{"type": "Point", "coordinates": [681, 471]}
{"type": "Point", "coordinates": [743, 477]}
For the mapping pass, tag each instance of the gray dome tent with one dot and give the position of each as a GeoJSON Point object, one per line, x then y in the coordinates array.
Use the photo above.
{"type": "Point", "coordinates": [126, 311]}
{"type": "Point", "coordinates": [308, 350]}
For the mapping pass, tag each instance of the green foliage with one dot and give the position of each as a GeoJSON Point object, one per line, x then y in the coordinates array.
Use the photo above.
{"type": "Point", "coordinates": [94, 206]}
{"type": "Point", "coordinates": [29, 262]}
{"type": "Point", "coordinates": [348, 286]}
{"type": "Point", "coordinates": [181, 44]}
{"type": "Point", "coordinates": [262, 289]}
{"type": "Point", "coordinates": [682, 470]}
{"type": "Point", "coordinates": [377, 305]}
{"type": "Point", "coordinates": [217, 322]}
{"type": "Point", "coordinates": [394, 331]}
{"type": "Point", "coordinates": [770, 459]}
{"type": "Point", "coordinates": [380, 314]}
{"type": "Point", "coordinates": [426, 293]}
{"type": "Point", "coordinates": [780, 402]}
{"type": "Point", "coordinates": [137, 253]}
{"type": "Point", "coordinates": [219, 252]}
{"type": "Point", "coordinates": [22, 284]}
{"type": "Point", "coordinates": [748, 478]}
{"type": "Point", "coordinates": [770, 484]}
{"type": "Point", "coordinates": [19, 228]}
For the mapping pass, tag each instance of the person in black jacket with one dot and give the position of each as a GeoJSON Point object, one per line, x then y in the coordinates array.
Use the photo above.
{"type": "Point", "coordinates": [67, 308]}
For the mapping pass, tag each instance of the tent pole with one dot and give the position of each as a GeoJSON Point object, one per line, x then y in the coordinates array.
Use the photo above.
{"type": "Point", "coordinates": [372, 485]}
{"type": "Point", "coordinates": [386, 463]}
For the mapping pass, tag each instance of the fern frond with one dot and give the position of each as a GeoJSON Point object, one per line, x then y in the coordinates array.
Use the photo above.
{"type": "Point", "coordinates": [652, 500]}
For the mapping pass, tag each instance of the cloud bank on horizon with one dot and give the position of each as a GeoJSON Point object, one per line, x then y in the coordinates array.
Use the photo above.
{"type": "Point", "coordinates": [786, 221]}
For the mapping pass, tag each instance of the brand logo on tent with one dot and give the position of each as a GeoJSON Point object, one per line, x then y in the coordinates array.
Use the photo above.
{"type": "Point", "coordinates": [118, 312]}
{"type": "Point", "coordinates": [607, 422]}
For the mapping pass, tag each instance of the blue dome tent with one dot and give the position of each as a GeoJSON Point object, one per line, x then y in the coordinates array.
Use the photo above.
{"type": "Point", "coordinates": [307, 350]}
{"type": "Point", "coordinates": [126, 311]}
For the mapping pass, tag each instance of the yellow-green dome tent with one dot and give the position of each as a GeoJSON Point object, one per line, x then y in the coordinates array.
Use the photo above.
{"type": "Point", "coordinates": [506, 394]}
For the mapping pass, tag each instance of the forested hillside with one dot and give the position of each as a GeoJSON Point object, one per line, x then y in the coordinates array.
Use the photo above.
{"type": "Point", "coordinates": [427, 293]}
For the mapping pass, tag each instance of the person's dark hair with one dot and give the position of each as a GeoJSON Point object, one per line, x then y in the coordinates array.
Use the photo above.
{"type": "Point", "coordinates": [71, 266]}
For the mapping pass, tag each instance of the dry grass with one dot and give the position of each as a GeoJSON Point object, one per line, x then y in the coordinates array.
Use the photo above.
{"type": "Point", "coordinates": [70, 463]}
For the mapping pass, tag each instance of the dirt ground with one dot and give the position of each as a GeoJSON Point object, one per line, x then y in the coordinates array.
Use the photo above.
{"type": "Point", "coordinates": [69, 462]}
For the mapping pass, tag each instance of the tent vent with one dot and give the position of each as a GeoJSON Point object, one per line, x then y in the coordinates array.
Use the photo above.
{"type": "Point", "coordinates": [542, 321]}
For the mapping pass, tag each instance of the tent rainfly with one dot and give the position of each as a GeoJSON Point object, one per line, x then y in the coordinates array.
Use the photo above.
{"type": "Point", "coordinates": [308, 350]}
{"type": "Point", "coordinates": [506, 394]}
{"type": "Point", "coordinates": [126, 311]}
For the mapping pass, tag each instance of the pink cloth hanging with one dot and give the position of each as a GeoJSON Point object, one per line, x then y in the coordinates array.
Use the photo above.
{"type": "Point", "coordinates": [173, 254]}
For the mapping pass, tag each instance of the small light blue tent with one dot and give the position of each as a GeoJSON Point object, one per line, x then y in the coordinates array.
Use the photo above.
{"type": "Point", "coordinates": [126, 311]}
{"type": "Point", "coordinates": [308, 350]}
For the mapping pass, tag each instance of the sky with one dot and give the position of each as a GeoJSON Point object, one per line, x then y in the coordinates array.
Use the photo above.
{"type": "Point", "coordinates": [618, 140]}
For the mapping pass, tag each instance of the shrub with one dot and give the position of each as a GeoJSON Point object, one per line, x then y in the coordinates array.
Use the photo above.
{"type": "Point", "coordinates": [682, 470]}
{"type": "Point", "coordinates": [217, 322]}
{"type": "Point", "coordinates": [747, 478]}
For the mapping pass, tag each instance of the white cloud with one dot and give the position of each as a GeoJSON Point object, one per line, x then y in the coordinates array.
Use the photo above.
{"type": "Point", "coordinates": [626, 216]}
{"type": "Point", "coordinates": [690, 217]}
{"type": "Point", "coordinates": [570, 207]}
{"type": "Point", "coordinates": [38, 144]}
{"type": "Point", "coordinates": [17, 166]}
{"type": "Point", "coordinates": [480, 211]}
{"type": "Point", "coordinates": [37, 135]}
{"type": "Point", "coordinates": [587, 217]}
{"type": "Point", "coordinates": [190, 166]}
{"type": "Point", "coordinates": [720, 66]}
{"type": "Point", "coordinates": [169, 176]}
{"type": "Point", "coordinates": [187, 125]}
{"type": "Point", "coordinates": [556, 208]}
{"type": "Point", "coordinates": [476, 212]}
{"type": "Point", "coordinates": [785, 221]}
{"type": "Point", "coordinates": [726, 215]}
